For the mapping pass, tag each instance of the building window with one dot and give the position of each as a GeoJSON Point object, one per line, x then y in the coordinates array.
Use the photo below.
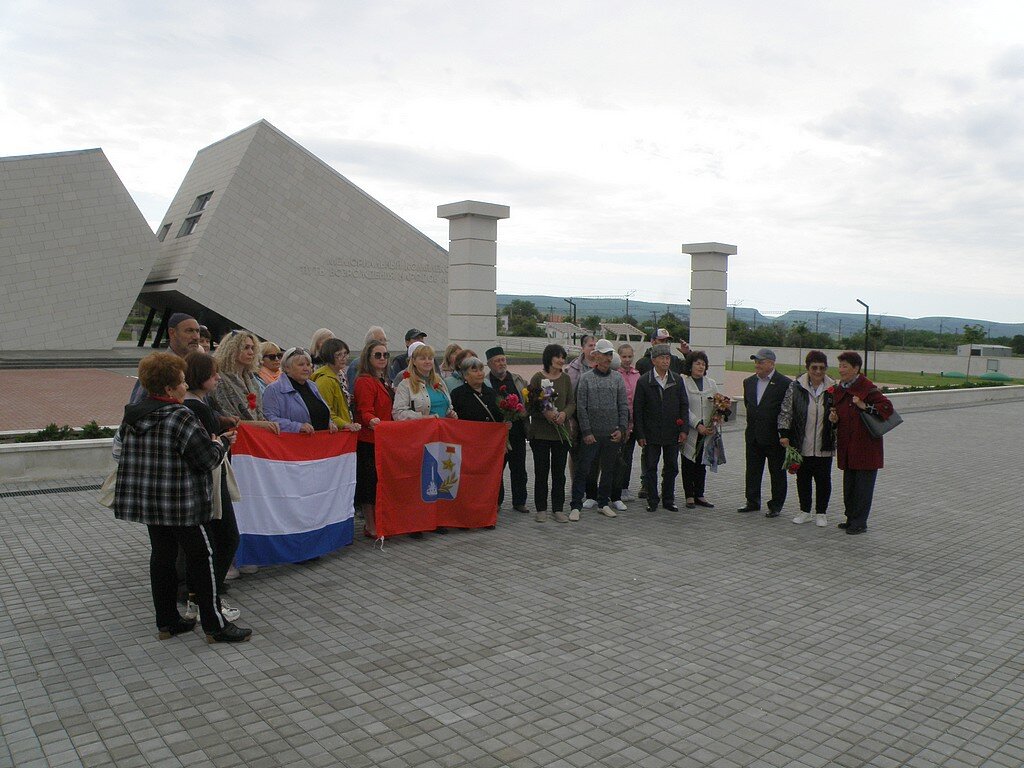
{"type": "Point", "coordinates": [163, 232]}
{"type": "Point", "coordinates": [201, 202]}
{"type": "Point", "coordinates": [189, 225]}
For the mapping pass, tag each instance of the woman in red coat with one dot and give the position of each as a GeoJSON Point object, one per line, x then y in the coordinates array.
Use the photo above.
{"type": "Point", "coordinates": [374, 397]}
{"type": "Point", "coordinates": [858, 454]}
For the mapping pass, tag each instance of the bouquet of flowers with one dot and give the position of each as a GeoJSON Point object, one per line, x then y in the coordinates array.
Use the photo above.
{"type": "Point", "coordinates": [721, 408]}
{"type": "Point", "coordinates": [542, 400]}
{"type": "Point", "coordinates": [510, 405]}
{"type": "Point", "coordinates": [793, 460]}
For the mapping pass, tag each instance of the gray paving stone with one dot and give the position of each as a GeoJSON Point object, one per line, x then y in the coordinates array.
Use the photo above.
{"type": "Point", "coordinates": [697, 638]}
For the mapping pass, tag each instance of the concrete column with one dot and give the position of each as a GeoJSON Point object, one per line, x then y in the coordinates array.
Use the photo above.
{"type": "Point", "coordinates": [472, 272]}
{"type": "Point", "coordinates": [709, 265]}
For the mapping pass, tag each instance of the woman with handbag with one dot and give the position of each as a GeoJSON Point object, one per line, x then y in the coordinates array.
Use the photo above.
{"type": "Point", "coordinates": [164, 481]}
{"type": "Point", "coordinates": [858, 453]}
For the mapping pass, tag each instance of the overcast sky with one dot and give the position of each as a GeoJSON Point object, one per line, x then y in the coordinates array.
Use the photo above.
{"type": "Point", "coordinates": [868, 150]}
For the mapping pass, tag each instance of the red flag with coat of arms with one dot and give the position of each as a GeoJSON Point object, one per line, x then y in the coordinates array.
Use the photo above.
{"type": "Point", "coordinates": [434, 473]}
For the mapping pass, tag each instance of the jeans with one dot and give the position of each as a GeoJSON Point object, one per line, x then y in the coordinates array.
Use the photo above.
{"type": "Point", "coordinates": [604, 454]}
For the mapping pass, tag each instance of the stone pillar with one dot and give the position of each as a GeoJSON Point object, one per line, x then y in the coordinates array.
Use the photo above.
{"type": "Point", "coordinates": [709, 265]}
{"type": "Point", "coordinates": [472, 272]}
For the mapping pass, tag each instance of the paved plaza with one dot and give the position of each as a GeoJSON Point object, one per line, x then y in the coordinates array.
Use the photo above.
{"type": "Point", "coordinates": [698, 638]}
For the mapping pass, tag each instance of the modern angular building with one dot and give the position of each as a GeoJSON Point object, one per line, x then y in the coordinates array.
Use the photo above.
{"type": "Point", "coordinates": [74, 252]}
{"type": "Point", "coordinates": [264, 235]}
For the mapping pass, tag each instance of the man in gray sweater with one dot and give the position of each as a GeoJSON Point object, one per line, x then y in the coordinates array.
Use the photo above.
{"type": "Point", "coordinates": [603, 414]}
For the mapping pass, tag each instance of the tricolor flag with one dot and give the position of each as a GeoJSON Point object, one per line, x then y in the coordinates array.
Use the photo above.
{"type": "Point", "coordinates": [297, 493]}
{"type": "Point", "coordinates": [437, 473]}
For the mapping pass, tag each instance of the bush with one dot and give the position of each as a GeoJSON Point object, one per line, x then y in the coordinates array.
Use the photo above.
{"type": "Point", "coordinates": [52, 433]}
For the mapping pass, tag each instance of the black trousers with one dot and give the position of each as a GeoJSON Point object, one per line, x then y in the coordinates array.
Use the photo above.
{"type": "Point", "coordinates": [199, 558]}
{"type": "Point", "coordinates": [694, 477]}
{"type": "Point", "coordinates": [757, 455]}
{"type": "Point", "coordinates": [625, 464]}
{"type": "Point", "coordinates": [604, 454]}
{"type": "Point", "coordinates": [653, 454]}
{"type": "Point", "coordinates": [816, 470]}
{"type": "Point", "coordinates": [223, 537]}
{"type": "Point", "coordinates": [549, 458]}
{"type": "Point", "coordinates": [515, 460]}
{"type": "Point", "coordinates": [858, 491]}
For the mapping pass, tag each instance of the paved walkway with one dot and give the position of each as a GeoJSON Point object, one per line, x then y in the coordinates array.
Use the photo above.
{"type": "Point", "coordinates": [701, 638]}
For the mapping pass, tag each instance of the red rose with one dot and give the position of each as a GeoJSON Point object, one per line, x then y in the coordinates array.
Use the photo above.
{"type": "Point", "coordinates": [252, 401]}
{"type": "Point", "coordinates": [437, 386]}
{"type": "Point", "coordinates": [405, 374]}
{"type": "Point", "coordinates": [679, 422]}
{"type": "Point", "coordinates": [501, 388]}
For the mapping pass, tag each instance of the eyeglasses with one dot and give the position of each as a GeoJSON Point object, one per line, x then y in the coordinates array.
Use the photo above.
{"type": "Point", "coordinates": [381, 355]}
{"type": "Point", "coordinates": [278, 356]}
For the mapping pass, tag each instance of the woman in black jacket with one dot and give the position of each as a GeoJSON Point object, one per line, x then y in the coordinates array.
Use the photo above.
{"type": "Point", "coordinates": [804, 425]}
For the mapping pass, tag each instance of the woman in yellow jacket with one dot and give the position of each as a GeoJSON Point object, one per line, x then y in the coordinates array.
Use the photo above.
{"type": "Point", "coordinates": [328, 380]}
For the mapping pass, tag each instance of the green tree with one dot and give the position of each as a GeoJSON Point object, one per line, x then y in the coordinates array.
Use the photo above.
{"type": "Point", "coordinates": [591, 322]}
{"type": "Point", "coordinates": [974, 334]}
{"type": "Point", "coordinates": [520, 310]}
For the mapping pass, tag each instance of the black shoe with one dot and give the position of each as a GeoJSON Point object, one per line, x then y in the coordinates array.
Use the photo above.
{"type": "Point", "coordinates": [691, 505]}
{"type": "Point", "coordinates": [417, 535]}
{"type": "Point", "coordinates": [442, 531]}
{"type": "Point", "coordinates": [642, 493]}
{"type": "Point", "coordinates": [521, 508]}
{"type": "Point", "coordinates": [652, 507]}
{"type": "Point", "coordinates": [703, 503]}
{"type": "Point", "coordinates": [773, 513]}
{"type": "Point", "coordinates": [749, 508]}
{"type": "Point", "coordinates": [670, 506]}
{"type": "Point", "coordinates": [183, 626]}
{"type": "Point", "coordinates": [851, 531]}
{"type": "Point", "coordinates": [230, 634]}
{"type": "Point", "coordinates": [843, 525]}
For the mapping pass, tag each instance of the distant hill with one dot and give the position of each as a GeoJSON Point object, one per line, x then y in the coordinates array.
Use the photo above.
{"type": "Point", "coordinates": [825, 322]}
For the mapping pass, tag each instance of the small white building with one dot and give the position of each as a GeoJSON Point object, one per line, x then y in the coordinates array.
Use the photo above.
{"type": "Point", "coordinates": [984, 350]}
{"type": "Point", "coordinates": [622, 332]}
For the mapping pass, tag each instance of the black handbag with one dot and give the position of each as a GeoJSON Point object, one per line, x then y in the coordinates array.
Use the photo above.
{"type": "Point", "coordinates": [878, 426]}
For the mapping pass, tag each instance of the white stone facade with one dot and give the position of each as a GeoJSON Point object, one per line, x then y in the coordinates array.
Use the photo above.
{"type": "Point", "coordinates": [285, 245]}
{"type": "Point", "coordinates": [74, 252]}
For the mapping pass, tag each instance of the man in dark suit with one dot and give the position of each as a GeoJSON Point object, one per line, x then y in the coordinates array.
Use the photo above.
{"type": "Point", "coordinates": [661, 423]}
{"type": "Point", "coordinates": [762, 397]}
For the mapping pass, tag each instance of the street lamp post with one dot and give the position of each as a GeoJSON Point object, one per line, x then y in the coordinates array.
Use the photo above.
{"type": "Point", "coordinates": [867, 317]}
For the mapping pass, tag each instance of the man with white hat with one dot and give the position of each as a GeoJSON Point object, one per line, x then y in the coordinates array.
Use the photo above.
{"type": "Point", "coordinates": [603, 414]}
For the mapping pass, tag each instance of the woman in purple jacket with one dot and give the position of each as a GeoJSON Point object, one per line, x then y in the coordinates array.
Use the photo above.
{"type": "Point", "coordinates": [293, 401]}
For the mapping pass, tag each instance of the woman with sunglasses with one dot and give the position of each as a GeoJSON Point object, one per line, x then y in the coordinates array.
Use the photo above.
{"type": "Point", "coordinates": [804, 425]}
{"type": "Point", "coordinates": [239, 395]}
{"type": "Point", "coordinates": [330, 380]}
{"type": "Point", "coordinates": [293, 401]}
{"type": "Point", "coordinates": [270, 364]}
{"type": "Point", "coordinates": [374, 398]}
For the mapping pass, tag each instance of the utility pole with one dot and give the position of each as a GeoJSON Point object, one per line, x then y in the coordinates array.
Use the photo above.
{"type": "Point", "coordinates": [867, 321]}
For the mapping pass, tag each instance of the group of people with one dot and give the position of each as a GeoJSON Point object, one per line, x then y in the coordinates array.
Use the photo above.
{"type": "Point", "coordinates": [587, 415]}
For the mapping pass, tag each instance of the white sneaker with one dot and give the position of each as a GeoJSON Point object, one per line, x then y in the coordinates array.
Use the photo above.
{"type": "Point", "coordinates": [250, 569]}
{"type": "Point", "coordinates": [590, 503]}
{"type": "Point", "coordinates": [608, 511]}
{"type": "Point", "coordinates": [574, 515]}
{"type": "Point", "coordinates": [232, 574]}
{"type": "Point", "coordinates": [541, 517]}
{"type": "Point", "coordinates": [561, 518]}
{"type": "Point", "coordinates": [618, 505]}
{"type": "Point", "coordinates": [821, 520]}
{"type": "Point", "coordinates": [627, 495]}
{"type": "Point", "coordinates": [229, 613]}
{"type": "Point", "coordinates": [803, 517]}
